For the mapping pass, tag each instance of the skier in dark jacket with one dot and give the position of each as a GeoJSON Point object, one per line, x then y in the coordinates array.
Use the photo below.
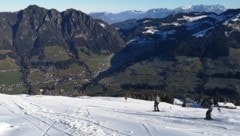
{"type": "Point", "coordinates": [210, 108]}
{"type": "Point", "coordinates": [156, 102]}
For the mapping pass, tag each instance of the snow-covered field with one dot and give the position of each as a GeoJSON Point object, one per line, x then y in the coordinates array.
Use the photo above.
{"type": "Point", "coordinates": [23, 115]}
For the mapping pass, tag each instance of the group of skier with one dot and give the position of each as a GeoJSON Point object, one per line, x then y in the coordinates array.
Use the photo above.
{"type": "Point", "coordinates": [208, 113]}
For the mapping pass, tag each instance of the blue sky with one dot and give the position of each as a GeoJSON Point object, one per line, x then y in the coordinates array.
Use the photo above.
{"type": "Point", "coordinates": [111, 5]}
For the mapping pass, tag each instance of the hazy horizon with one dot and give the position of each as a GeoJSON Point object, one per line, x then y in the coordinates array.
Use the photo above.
{"type": "Point", "coordinates": [115, 6]}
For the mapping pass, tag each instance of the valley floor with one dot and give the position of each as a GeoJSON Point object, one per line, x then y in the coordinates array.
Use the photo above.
{"type": "Point", "coordinates": [23, 115]}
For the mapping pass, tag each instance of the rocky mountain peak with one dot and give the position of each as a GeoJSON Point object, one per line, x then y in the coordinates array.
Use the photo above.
{"type": "Point", "coordinates": [34, 9]}
{"type": "Point", "coordinates": [42, 40]}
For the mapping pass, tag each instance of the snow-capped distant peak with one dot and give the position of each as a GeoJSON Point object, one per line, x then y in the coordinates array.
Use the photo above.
{"type": "Point", "coordinates": [201, 8]}
{"type": "Point", "coordinates": [135, 11]}
{"type": "Point", "coordinates": [186, 7]}
{"type": "Point", "coordinates": [155, 13]}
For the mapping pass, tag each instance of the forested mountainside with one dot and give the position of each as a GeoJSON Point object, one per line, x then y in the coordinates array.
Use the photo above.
{"type": "Point", "coordinates": [53, 50]}
{"type": "Point", "coordinates": [182, 55]}
{"type": "Point", "coordinates": [70, 53]}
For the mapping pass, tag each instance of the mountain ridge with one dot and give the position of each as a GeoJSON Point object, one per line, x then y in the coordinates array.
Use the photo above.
{"type": "Point", "coordinates": [154, 13]}
{"type": "Point", "coordinates": [40, 44]}
{"type": "Point", "coordinates": [70, 53]}
{"type": "Point", "coordinates": [183, 54]}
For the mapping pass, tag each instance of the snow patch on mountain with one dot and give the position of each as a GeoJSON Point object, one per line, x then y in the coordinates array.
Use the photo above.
{"type": "Point", "coordinates": [236, 18]}
{"type": "Point", "coordinates": [202, 33]}
{"type": "Point", "coordinates": [150, 30]}
{"type": "Point", "coordinates": [232, 19]}
{"type": "Point", "coordinates": [192, 18]}
{"type": "Point", "coordinates": [233, 22]}
{"type": "Point", "coordinates": [132, 40]}
{"type": "Point", "coordinates": [103, 25]}
{"type": "Point", "coordinates": [191, 24]}
{"type": "Point", "coordinates": [146, 21]}
{"type": "Point", "coordinates": [171, 24]}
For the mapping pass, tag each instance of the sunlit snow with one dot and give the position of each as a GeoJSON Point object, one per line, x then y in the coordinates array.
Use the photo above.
{"type": "Point", "coordinates": [233, 19]}
{"type": "Point", "coordinates": [173, 23]}
{"type": "Point", "coordinates": [150, 30]}
{"type": "Point", "coordinates": [103, 25]}
{"type": "Point", "coordinates": [191, 19]}
{"type": "Point", "coordinates": [23, 115]}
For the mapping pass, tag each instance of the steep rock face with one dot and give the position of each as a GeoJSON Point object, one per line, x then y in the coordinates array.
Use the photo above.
{"type": "Point", "coordinates": [50, 27]}
{"type": "Point", "coordinates": [6, 32]}
{"type": "Point", "coordinates": [49, 44]}
{"type": "Point", "coordinates": [33, 26]}
{"type": "Point", "coordinates": [89, 32]}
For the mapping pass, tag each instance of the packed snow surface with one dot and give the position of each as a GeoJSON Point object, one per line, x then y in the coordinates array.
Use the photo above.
{"type": "Point", "coordinates": [23, 115]}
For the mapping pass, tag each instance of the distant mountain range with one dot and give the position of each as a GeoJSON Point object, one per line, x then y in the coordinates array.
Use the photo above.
{"type": "Point", "coordinates": [154, 13]}
{"type": "Point", "coordinates": [182, 54]}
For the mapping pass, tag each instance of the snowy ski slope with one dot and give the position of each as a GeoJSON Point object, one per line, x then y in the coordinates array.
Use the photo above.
{"type": "Point", "coordinates": [23, 115]}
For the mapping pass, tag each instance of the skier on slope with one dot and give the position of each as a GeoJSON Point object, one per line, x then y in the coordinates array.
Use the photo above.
{"type": "Point", "coordinates": [156, 102]}
{"type": "Point", "coordinates": [210, 108]}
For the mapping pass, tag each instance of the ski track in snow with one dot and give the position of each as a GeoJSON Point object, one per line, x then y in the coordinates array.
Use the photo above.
{"type": "Point", "coordinates": [45, 132]}
{"type": "Point", "coordinates": [25, 118]}
{"type": "Point", "coordinates": [38, 112]}
{"type": "Point", "coordinates": [148, 132]}
{"type": "Point", "coordinates": [116, 117]}
{"type": "Point", "coordinates": [154, 118]}
{"type": "Point", "coordinates": [34, 114]}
